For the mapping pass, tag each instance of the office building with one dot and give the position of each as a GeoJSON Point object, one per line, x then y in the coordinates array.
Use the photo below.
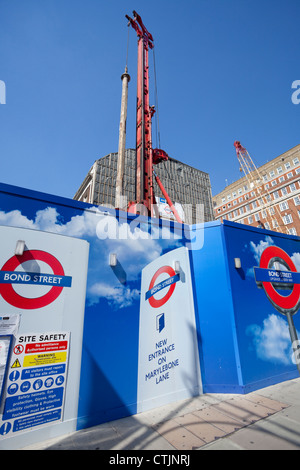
{"type": "Point", "coordinates": [184, 184]}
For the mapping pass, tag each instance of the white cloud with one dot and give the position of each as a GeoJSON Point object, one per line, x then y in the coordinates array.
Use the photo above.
{"type": "Point", "coordinates": [258, 249]}
{"type": "Point", "coordinates": [117, 296]}
{"type": "Point", "coordinates": [272, 341]}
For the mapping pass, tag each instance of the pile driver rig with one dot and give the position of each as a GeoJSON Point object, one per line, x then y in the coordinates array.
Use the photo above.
{"type": "Point", "coordinates": [146, 156]}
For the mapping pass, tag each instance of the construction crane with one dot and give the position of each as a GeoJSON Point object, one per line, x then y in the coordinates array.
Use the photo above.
{"type": "Point", "coordinates": [255, 182]}
{"type": "Point", "coordinates": [146, 156]}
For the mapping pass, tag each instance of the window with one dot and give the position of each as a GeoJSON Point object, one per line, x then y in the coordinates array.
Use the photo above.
{"type": "Point", "coordinates": [266, 186]}
{"type": "Point", "coordinates": [297, 171]}
{"type": "Point", "coordinates": [279, 170]}
{"type": "Point", "coordinates": [290, 174]}
{"type": "Point", "coordinates": [274, 182]}
{"type": "Point", "coordinates": [265, 178]}
{"type": "Point", "coordinates": [272, 174]}
{"type": "Point", "coordinates": [254, 205]}
{"type": "Point", "coordinates": [233, 194]}
{"type": "Point", "coordinates": [287, 166]}
{"type": "Point", "coordinates": [276, 194]}
{"type": "Point", "coordinates": [292, 231]}
{"type": "Point", "coordinates": [284, 191]}
{"type": "Point", "coordinates": [271, 211]}
{"type": "Point", "coordinates": [223, 199]}
{"type": "Point", "coordinates": [257, 217]}
{"type": "Point", "coordinates": [296, 161]}
{"type": "Point", "coordinates": [297, 201]}
{"type": "Point", "coordinates": [247, 208]}
{"type": "Point", "coordinates": [228, 197]}
{"type": "Point", "coordinates": [293, 187]}
{"type": "Point", "coordinates": [240, 199]}
{"type": "Point", "coordinates": [274, 223]}
{"type": "Point", "coordinates": [241, 210]}
{"type": "Point", "coordinates": [264, 214]}
{"type": "Point", "coordinates": [284, 206]}
{"type": "Point", "coordinates": [240, 191]}
{"type": "Point", "coordinates": [236, 213]}
{"type": "Point", "coordinates": [287, 219]}
{"type": "Point", "coordinates": [235, 202]}
{"type": "Point", "coordinates": [250, 219]}
{"type": "Point", "coordinates": [267, 225]}
{"type": "Point", "coordinates": [281, 179]}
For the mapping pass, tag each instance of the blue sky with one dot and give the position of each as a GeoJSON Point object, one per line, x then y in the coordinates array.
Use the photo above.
{"type": "Point", "coordinates": [224, 68]}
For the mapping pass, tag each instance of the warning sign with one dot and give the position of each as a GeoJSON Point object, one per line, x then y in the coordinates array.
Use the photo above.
{"type": "Point", "coordinates": [35, 387]}
{"type": "Point", "coordinates": [43, 359]}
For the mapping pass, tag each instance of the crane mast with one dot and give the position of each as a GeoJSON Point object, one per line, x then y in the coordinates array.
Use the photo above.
{"type": "Point", "coordinates": [146, 156]}
{"type": "Point", "coordinates": [255, 182]}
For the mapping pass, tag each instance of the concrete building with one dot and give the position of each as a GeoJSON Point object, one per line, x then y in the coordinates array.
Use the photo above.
{"type": "Point", "coordinates": [185, 185]}
{"type": "Point", "coordinates": [280, 183]}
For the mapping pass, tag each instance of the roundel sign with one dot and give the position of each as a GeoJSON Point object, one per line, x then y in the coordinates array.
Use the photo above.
{"type": "Point", "coordinates": [271, 278]}
{"type": "Point", "coordinates": [155, 287]}
{"type": "Point", "coordinates": [10, 276]}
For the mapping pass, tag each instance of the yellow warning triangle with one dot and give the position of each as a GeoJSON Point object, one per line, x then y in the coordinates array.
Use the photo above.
{"type": "Point", "coordinates": [16, 364]}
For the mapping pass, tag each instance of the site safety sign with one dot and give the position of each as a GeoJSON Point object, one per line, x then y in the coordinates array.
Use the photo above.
{"type": "Point", "coordinates": [35, 382]}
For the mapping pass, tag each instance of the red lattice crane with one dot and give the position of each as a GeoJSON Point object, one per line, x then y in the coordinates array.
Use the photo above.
{"type": "Point", "coordinates": [146, 156]}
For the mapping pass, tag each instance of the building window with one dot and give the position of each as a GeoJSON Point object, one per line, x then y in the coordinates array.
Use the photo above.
{"type": "Point", "coordinates": [257, 217]}
{"type": "Point", "coordinates": [276, 194]}
{"type": "Point", "coordinates": [240, 199]}
{"type": "Point", "coordinates": [223, 199]}
{"type": "Point", "coordinates": [297, 201]}
{"type": "Point", "coordinates": [274, 182]}
{"type": "Point", "coordinates": [290, 174]}
{"type": "Point", "coordinates": [264, 214]}
{"type": "Point", "coordinates": [271, 211]}
{"type": "Point", "coordinates": [250, 219]}
{"type": "Point", "coordinates": [254, 205]}
{"type": "Point", "coordinates": [267, 225]}
{"type": "Point", "coordinates": [281, 179]}
{"type": "Point", "coordinates": [279, 170]}
{"type": "Point", "coordinates": [235, 202]}
{"type": "Point", "coordinates": [274, 223]}
{"type": "Point", "coordinates": [293, 187]}
{"type": "Point", "coordinates": [297, 171]}
{"type": "Point", "coordinates": [266, 186]}
{"type": "Point", "coordinates": [292, 231]}
{"type": "Point", "coordinates": [287, 165]}
{"type": "Point", "coordinates": [272, 174]}
{"type": "Point", "coordinates": [241, 210]}
{"type": "Point", "coordinates": [284, 192]}
{"type": "Point", "coordinates": [296, 161]}
{"type": "Point", "coordinates": [287, 219]}
{"type": "Point", "coordinates": [247, 208]}
{"type": "Point", "coordinates": [265, 178]}
{"type": "Point", "coordinates": [284, 206]}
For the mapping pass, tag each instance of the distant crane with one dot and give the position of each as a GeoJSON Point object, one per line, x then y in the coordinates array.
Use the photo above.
{"type": "Point", "coordinates": [146, 156]}
{"type": "Point", "coordinates": [255, 182]}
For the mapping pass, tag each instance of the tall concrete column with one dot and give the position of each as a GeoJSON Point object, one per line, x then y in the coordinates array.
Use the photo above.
{"type": "Point", "coordinates": [119, 202]}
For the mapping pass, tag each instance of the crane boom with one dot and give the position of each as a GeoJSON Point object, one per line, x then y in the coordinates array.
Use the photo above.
{"type": "Point", "coordinates": [255, 181]}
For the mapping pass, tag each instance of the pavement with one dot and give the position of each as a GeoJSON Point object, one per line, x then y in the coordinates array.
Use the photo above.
{"type": "Point", "coordinates": [267, 419]}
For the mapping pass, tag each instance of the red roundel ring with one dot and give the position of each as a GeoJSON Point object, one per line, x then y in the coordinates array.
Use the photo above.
{"type": "Point", "coordinates": [158, 303]}
{"type": "Point", "coordinates": [10, 295]}
{"type": "Point", "coordinates": [289, 303]}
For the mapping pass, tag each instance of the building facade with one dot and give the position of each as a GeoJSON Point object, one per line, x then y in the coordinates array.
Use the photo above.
{"type": "Point", "coordinates": [184, 184]}
{"type": "Point", "coordinates": [279, 209]}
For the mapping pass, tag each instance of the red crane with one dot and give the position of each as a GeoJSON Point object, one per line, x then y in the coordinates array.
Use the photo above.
{"type": "Point", "coordinates": [146, 156]}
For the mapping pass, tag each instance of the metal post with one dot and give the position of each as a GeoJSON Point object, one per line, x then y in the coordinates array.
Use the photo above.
{"type": "Point", "coordinates": [122, 141]}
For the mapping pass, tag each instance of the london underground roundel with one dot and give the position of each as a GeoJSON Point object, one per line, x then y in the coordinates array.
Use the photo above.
{"type": "Point", "coordinates": [9, 276]}
{"type": "Point", "coordinates": [284, 304]}
{"type": "Point", "coordinates": [169, 283]}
